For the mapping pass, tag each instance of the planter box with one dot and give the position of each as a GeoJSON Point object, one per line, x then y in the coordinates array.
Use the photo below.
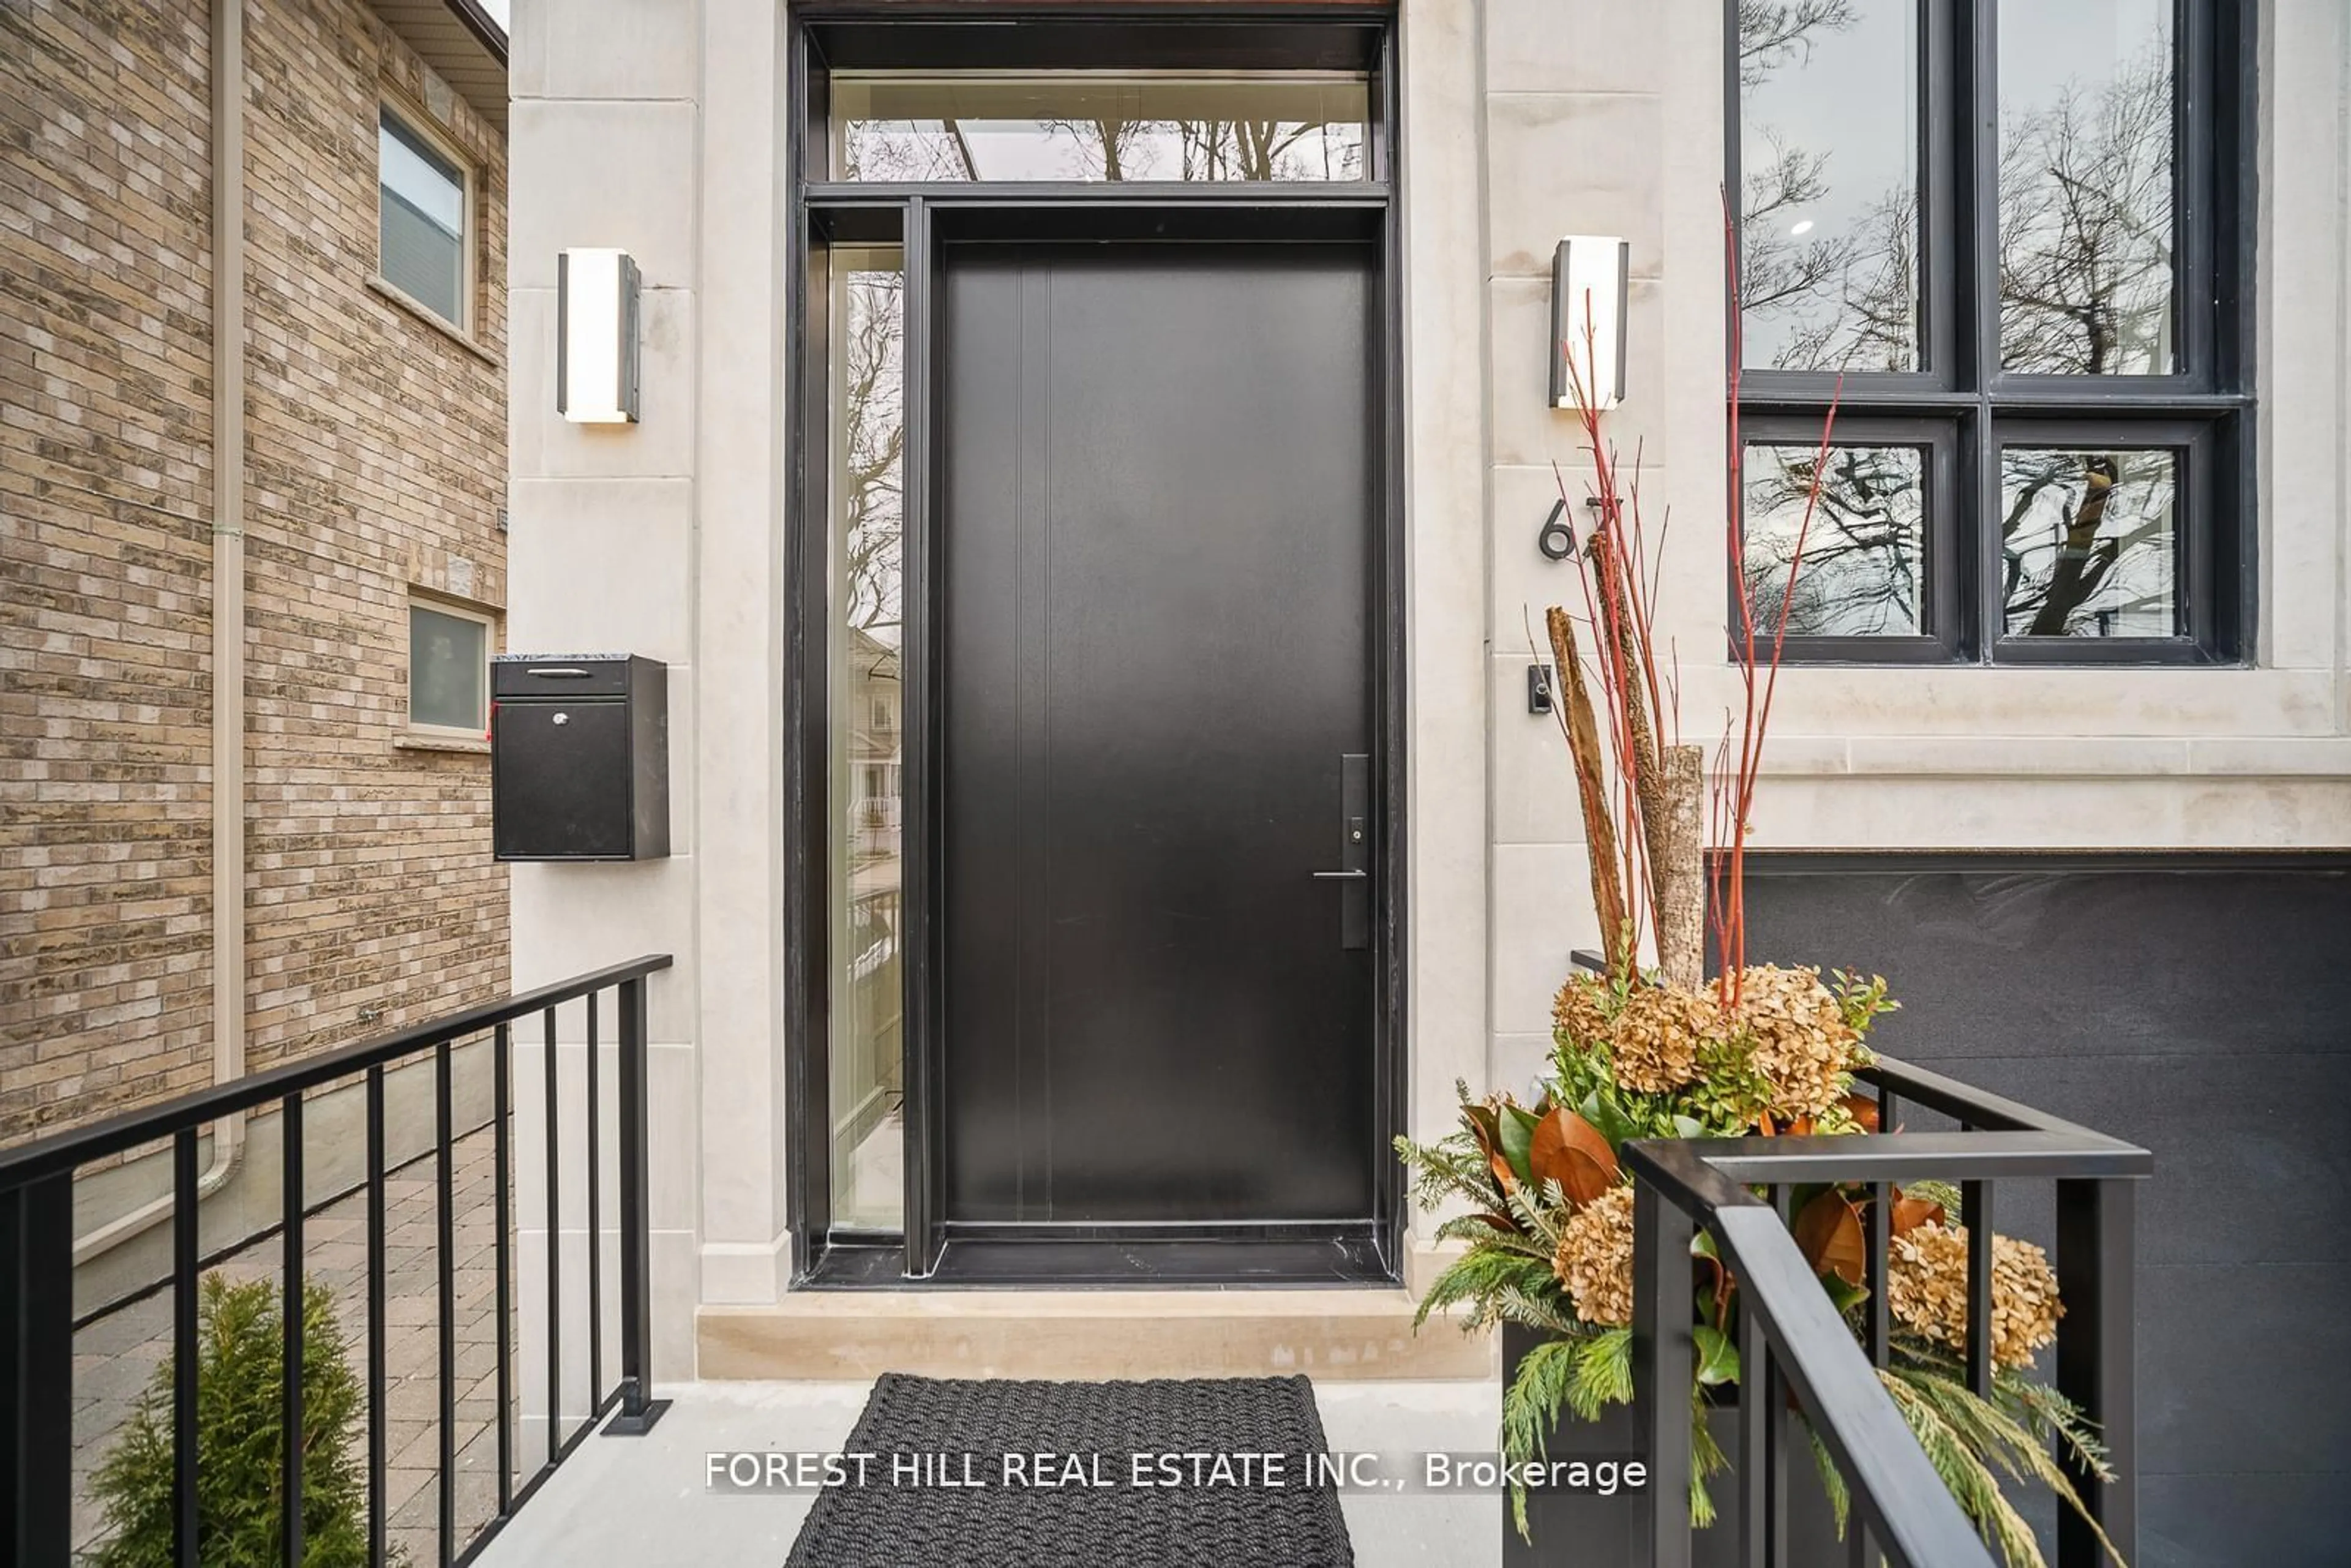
{"type": "Point", "coordinates": [1574, 1530]}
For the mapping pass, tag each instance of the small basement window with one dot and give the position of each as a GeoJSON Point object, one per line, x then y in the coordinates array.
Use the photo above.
{"type": "Point", "coordinates": [448, 672]}
{"type": "Point", "coordinates": [423, 203]}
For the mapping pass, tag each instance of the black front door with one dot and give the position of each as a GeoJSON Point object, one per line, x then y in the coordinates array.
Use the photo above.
{"type": "Point", "coordinates": [1157, 495]}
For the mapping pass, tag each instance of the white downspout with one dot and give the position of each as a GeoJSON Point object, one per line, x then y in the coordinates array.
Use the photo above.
{"type": "Point", "coordinates": [228, 622]}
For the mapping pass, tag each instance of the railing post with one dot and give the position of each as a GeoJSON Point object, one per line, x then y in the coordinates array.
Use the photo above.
{"type": "Point", "coordinates": [2098, 1255]}
{"type": "Point", "coordinates": [37, 1370]}
{"type": "Point", "coordinates": [639, 1410]}
{"type": "Point", "coordinates": [1663, 1352]}
{"type": "Point", "coordinates": [1877, 1329]}
{"type": "Point", "coordinates": [292, 1423]}
{"type": "Point", "coordinates": [1760, 1467]}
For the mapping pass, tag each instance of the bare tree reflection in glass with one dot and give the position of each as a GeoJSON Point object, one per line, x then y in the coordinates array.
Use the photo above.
{"type": "Point", "coordinates": [2087, 543]}
{"type": "Point", "coordinates": [2086, 188]}
{"type": "Point", "coordinates": [1863, 559]}
{"type": "Point", "coordinates": [868, 320]}
{"type": "Point", "coordinates": [873, 441]}
{"type": "Point", "coordinates": [1102, 127]}
{"type": "Point", "coordinates": [1828, 189]}
{"type": "Point", "coordinates": [1099, 145]}
{"type": "Point", "coordinates": [1265, 150]}
{"type": "Point", "coordinates": [2086, 283]}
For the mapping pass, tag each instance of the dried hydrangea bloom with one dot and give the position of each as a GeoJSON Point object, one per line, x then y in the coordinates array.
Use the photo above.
{"type": "Point", "coordinates": [1802, 1044]}
{"type": "Point", "coordinates": [1595, 1258]}
{"type": "Point", "coordinates": [1580, 1011]}
{"type": "Point", "coordinates": [1655, 1041]}
{"type": "Point", "coordinates": [1927, 1288]}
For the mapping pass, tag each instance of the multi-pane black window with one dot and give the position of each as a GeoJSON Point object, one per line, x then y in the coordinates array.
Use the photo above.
{"type": "Point", "coordinates": [2008, 240]}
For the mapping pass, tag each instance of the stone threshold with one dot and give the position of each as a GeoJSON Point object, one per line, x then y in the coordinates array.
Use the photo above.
{"type": "Point", "coordinates": [1336, 1333]}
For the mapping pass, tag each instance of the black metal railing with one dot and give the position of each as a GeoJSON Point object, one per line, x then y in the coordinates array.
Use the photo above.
{"type": "Point", "coordinates": [37, 1310]}
{"type": "Point", "coordinates": [1793, 1341]}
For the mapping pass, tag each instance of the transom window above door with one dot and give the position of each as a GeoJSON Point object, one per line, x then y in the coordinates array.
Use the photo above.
{"type": "Point", "coordinates": [2008, 242]}
{"type": "Point", "coordinates": [1098, 127]}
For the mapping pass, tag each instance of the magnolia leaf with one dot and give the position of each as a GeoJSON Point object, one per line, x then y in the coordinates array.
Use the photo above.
{"type": "Point", "coordinates": [1909, 1213]}
{"type": "Point", "coordinates": [1500, 1222]}
{"type": "Point", "coordinates": [1829, 1233]}
{"type": "Point", "coordinates": [1481, 1120]}
{"type": "Point", "coordinates": [1713, 1286]}
{"type": "Point", "coordinates": [1863, 1108]}
{"type": "Point", "coordinates": [1515, 1132]}
{"type": "Point", "coordinates": [1484, 1123]}
{"type": "Point", "coordinates": [1688, 1127]}
{"type": "Point", "coordinates": [1717, 1356]}
{"type": "Point", "coordinates": [1569, 1150]}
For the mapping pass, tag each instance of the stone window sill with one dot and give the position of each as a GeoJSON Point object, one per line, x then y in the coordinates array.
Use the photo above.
{"type": "Point", "coordinates": [417, 740]}
{"type": "Point", "coordinates": [433, 319]}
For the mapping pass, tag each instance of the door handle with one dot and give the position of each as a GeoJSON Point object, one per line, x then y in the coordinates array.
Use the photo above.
{"type": "Point", "coordinates": [1354, 871]}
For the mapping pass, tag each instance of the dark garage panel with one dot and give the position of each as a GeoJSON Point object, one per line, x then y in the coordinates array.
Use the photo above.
{"type": "Point", "coordinates": [2198, 1522]}
{"type": "Point", "coordinates": [2201, 1008]}
{"type": "Point", "coordinates": [2234, 1139]}
{"type": "Point", "coordinates": [2126, 961]}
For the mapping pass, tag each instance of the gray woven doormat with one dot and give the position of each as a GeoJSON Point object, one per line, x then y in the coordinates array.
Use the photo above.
{"type": "Point", "coordinates": [994, 1431]}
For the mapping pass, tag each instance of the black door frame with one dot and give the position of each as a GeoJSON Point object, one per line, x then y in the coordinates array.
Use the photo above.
{"type": "Point", "coordinates": [876, 33]}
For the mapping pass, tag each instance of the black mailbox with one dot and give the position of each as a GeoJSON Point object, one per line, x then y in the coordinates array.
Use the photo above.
{"type": "Point", "coordinates": [578, 757]}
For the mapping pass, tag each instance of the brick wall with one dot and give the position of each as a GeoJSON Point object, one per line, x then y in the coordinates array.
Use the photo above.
{"type": "Point", "coordinates": [375, 456]}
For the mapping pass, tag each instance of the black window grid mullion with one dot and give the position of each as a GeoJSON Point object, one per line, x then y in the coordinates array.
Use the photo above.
{"type": "Point", "coordinates": [1939, 192]}
{"type": "Point", "coordinates": [2195, 191]}
{"type": "Point", "coordinates": [2195, 446]}
{"type": "Point", "coordinates": [2234, 88]}
{"type": "Point", "coordinates": [2201, 411]}
{"type": "Point", "coordinates": [1988, 617]}
{"type": "Point", "coordinates": [1940, 189]}
{"type": "Point", "coordinates": [1976, 51]}
{"type": "Point", "coordinates": [1944, 570]}
{"type": "Point", "coordinates": [2208, 617]}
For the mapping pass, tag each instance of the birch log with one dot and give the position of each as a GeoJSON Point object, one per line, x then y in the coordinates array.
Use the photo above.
{"type": "Point", "coordinates": [1677, 863]}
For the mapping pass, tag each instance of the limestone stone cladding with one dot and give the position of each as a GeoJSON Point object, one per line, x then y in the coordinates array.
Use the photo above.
{"type": "Point", "coordinates": [375, 454]}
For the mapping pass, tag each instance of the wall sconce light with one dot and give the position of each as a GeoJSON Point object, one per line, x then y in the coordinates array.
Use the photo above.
{"type": "Point", "coordinates": [596, 337]}
{"type": "Point", "coordinates": [1588, 279]}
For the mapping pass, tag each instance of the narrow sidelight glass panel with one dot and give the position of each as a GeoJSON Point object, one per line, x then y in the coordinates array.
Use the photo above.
{"type": "Point", "coordinates": [1828, 158]}
{"type": "Point", "coordinates": [868, 534]}
{"type": "Point", "coordinates": [421, 220]}
{"type": "Point", "coordinates": [1862, 571]}
{"type": "Point", "coordinates": [2086, 154]}
{"type": "Point", "coordinates": [2089, 542]}
{"type": "Point", "coordinates": [1096, 127]}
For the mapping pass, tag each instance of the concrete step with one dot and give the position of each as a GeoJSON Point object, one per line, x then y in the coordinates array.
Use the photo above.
{"type": "Point", "coordinates": [1328, 1333]}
